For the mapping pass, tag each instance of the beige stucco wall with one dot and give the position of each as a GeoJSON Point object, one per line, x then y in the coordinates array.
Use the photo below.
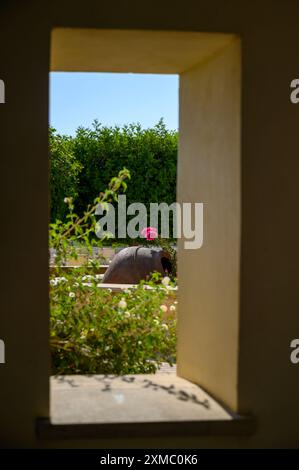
{"type": "Point", "coordinates": [209, 172]}
{"type": "Point", "coordinates": [267, 381]}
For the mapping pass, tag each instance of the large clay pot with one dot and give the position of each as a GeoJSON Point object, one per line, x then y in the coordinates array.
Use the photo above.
{"type": "Point", "coordinates": [135, 263]}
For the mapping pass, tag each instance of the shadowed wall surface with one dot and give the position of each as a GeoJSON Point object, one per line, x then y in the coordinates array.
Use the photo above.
{"type": "Point", "coordinates": [267, 384]}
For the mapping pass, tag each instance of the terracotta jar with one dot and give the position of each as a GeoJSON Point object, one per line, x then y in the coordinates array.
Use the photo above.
{"type": "Point", "coordinates": [132, 264]}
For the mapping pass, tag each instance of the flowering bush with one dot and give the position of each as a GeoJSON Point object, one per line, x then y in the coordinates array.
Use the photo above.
{"type": "Point", "coordinates": [149, 233]}
{"type": "Point", "coordinates": [96, 331]}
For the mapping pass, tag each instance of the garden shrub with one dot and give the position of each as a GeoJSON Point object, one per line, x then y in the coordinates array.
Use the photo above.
{"type": "Point", "coordinates": [96, 331]}
{"type": "Point", "coordinates": [93, 330]}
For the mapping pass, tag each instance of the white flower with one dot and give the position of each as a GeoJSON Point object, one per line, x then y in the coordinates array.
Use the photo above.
{"type": "Point", "coordinates": [164, 308]}
{"type": "Point", "coordinates": [68, 200]}
{"type": "Point", "coordinates": [172, 308]}
{"type": "Point", "coordinates": [127, 314]}
{"type": "Point", "coordinates": [87, 277]}
{"type": "Point", "coordinates": [72, 294]}
{"type": "Point", "coordinates": [166, 281]}
{"type": "Point", "coordinates": [164, 326]}
{"type": "Point", "coordinates": [122, 304]}
{"type": "Point", "coordinates": [156, 321]}
{"type": "Point", "coordinates": [140, 343]}
{"type": "Point", "coordinates": [175, 302]}
{"type": "Point", "coordinates": [85, 350]}
{"type": "Point", "coordinates": [57, 280]}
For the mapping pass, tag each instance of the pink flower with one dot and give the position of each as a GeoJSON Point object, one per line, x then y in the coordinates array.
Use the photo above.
{"type": "Point", "coordinates": [150, 233]}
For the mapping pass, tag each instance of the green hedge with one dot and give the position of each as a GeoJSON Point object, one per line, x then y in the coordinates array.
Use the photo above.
{"type": "Point", "coordinates": [64, 173]}
{"type": "Point", "coordinates": [81, 166]}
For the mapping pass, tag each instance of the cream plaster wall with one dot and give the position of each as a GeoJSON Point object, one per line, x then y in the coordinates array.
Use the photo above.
{"type": "Point", "coordinates": [209, 172]}
{"type": "Point", "coordinates": [269, 302]}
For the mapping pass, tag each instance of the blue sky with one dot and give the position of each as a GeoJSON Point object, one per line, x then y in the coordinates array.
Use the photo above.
{"type": "Point", "coordinates": [79, 98]}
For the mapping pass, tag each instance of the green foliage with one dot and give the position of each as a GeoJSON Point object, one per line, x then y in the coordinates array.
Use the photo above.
{"type": "Point", "coordinates": [101, 152]}
{"type": "Point", "coordinates": [95, 331]}
{"type": "Point", "coordinates": [65, 235]}
{"type": "Point", "coordinates": [64, 173]}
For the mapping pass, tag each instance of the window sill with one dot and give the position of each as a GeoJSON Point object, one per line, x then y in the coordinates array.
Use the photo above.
{"type": "Point", "coordinates": [135, 406]}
